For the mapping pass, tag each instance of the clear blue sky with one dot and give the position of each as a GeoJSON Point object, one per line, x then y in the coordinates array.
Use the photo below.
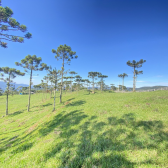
{"type": "Point", "coordinates": [104, 33]}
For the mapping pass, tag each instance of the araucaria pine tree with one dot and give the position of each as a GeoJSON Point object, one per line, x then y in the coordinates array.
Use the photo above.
{"type": "Point", "coordinates": [7, 23]}
{"type": "Point", "coordinates": [137, 73]}
{"type": "Point", "coordinates": [112, 87]}
{"type": "Point", "coordinates": [78, 80]}
{"type": "Point", "coordinates": [43, 87]}
{"type": "Point", "coordinates": [65, 53]}
{"type": "Point", "coordinates": [87, 83]}
{"type": "Point", "coordinates": [93, 75]}
{"type": "Point", "coordinates": [123, 76]}
{"type": "Point", "coordinates": [32, 63]}
{"type": "Point", "coordinates": [66, 82]}
{"type": "Point", "coordinates": [101, 79]}
{"type": "Point", "coordinates": [46, 79]}
{"type": "Point", "coordinates": [54, 77]}
{"type": "Point", "coordinates": [72, 73]}
{"type": "Point", "coordinates": [11, 74]}
{"type": "Point", "coordinates": [135, 64]}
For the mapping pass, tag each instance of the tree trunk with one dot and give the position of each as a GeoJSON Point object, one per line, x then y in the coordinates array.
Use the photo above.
{"type": "Point", "coordinates": [123, 84]}
{"type": "Point", "coordinates": [77, 88]}
{"type": "Point", "coordinates": [50, 90]}
{"type": "Point", "coordinates": [66, 86]}
{"type": "Point", "coordinates": [28, 107]}
{"type": "Point", "coordinates": [134, 81]}
{"type": "Point", "coordinates": [7, 104]}
{"type": "Point", "coordinates": [101, 86]}
{"type": "Point", "coordinates": [54, 97]}
{"type": "Point", "coordinates": [62, 80]}
{"type": "Point", "coordinates": [7, 96]}
{"type": "Point", "coordinates": [119, 86]}
{"type": "Point", "coordinates": [46, 90]}
{"type": "Point", "coordinates": [93, 85]}
{"type": "Point", "coordinates": [71, 82]}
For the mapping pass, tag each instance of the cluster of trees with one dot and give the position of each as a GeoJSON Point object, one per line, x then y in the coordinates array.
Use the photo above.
{"type": "Point", "coordinates": [33, 63]}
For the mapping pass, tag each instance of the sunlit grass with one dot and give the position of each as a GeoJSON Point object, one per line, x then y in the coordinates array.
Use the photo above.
{"type": "Point", "coordinates": [86, 131]}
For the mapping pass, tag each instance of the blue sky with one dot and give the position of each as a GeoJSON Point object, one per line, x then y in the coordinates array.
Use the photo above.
{"type": "Point", "coordinates": [104, 34]}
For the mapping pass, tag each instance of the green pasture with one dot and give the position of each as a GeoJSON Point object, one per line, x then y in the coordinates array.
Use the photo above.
{"type": "Point", "coordinates": [101, 130]}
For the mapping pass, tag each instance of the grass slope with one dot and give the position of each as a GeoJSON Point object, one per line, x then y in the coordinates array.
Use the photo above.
{"type": "Point", "coordinates": [102, 130]}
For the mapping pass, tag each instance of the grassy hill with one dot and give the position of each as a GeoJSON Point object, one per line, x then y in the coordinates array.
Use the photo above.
{"type": "Point", "coordinates": [100, 130]}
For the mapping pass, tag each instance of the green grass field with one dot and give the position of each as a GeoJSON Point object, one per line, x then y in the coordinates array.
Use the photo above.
{"type": "Point", "coordinates": [101, 130]}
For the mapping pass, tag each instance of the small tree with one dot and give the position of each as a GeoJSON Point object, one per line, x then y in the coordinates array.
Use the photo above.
{"type": "Point", "coordinates": [135, 64]}
{"type": "Point", "coordinates": [74, 86]}
{"type": "Point", "coordinates": [12, 73]}
{"type": "Point", "coordinates": [101, 80]}
{"type": "Point", "coordinates": [93, 75]}
{"type": "Point", "coordinates": [54, 74]}
{"type": "Point", "coordinates": [113, 87]}
{"type": "Point", "coordinates": [123, 76]}
{"type": "Point", "coordinates": [88, 84]}
{"type": "Point", "coordinates": [43, 86]}
{"type": "Point", "coordinates": [7, 23]}
{"type": "Point", "coordinates": [25, 90]}
{"type": "Point", "coordinates": [46, 79]}
{"type": "Point", "coordinates": [66, 82]}
{"type": "Point", "coordinates": [78, 80]}
{"type": "Point", "coordinates": [32, 63]}
{"type": "Point", "coordinates": [65, 53]}
{"type": "Point", "coordinates": [72, 73]}
{"type": "Point", "coordinates": [84, 81]}
{"type": "Point", "coordinates": [19, 89]}
{"type": "Point", "coordinates": [36, 88]}
{"type": "Point", "coordinates": [125, 88]}
{"type": "Point", "coordinates": [119, 87]}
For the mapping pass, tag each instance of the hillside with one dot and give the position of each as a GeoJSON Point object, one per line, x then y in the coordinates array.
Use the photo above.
{"type": "Point", "coordinates": [98, 130]}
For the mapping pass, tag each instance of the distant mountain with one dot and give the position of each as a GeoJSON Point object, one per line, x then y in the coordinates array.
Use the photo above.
{"type": "Point", "coordinates": [3, 85]}
{"type": "Point", "coordinates": [150, 87]}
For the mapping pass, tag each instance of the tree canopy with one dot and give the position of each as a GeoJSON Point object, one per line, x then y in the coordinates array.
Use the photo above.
{"type": "Point", "coordinates": [101, 79]}
{"type": "Point", "coordinates": [135, 64]}
{"type": "Point", "coordinates": [32, 63]}
{"type": "Point", "coordinates": [123, 76]}
{"type": "Point", "coordinates": [93, 75]}
{"type": "Point", "coordinates": [65, 53]}
{"type": "Point", "coordinates": [8, 24]}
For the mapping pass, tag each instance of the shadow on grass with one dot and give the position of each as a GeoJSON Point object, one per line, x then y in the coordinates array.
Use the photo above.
{"type": "Point", "coordinates": [97, 144]}
{"type": "Point", "coordinates": [22, 143]}
{"type": "Point", "coordinates": [22, 148]}
{"type": "Point", "coordinates": [70, 99]}
{"type": "Point", "coordinates": [15, 113]}
{"type": "Point", "coordinates": [42, 105]}
{"type": "Point", "coordinates": [76, 103]}
{"type": "Point", "coordinates": [63, 122]}
{"type": "Point", "coordinates": [45, 105]}
{"type": "Point", "coordinates": [95, 148]}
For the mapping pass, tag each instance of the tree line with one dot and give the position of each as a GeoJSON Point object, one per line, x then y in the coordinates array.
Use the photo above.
{"type": "Point", "coordinates": [33, 63]}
